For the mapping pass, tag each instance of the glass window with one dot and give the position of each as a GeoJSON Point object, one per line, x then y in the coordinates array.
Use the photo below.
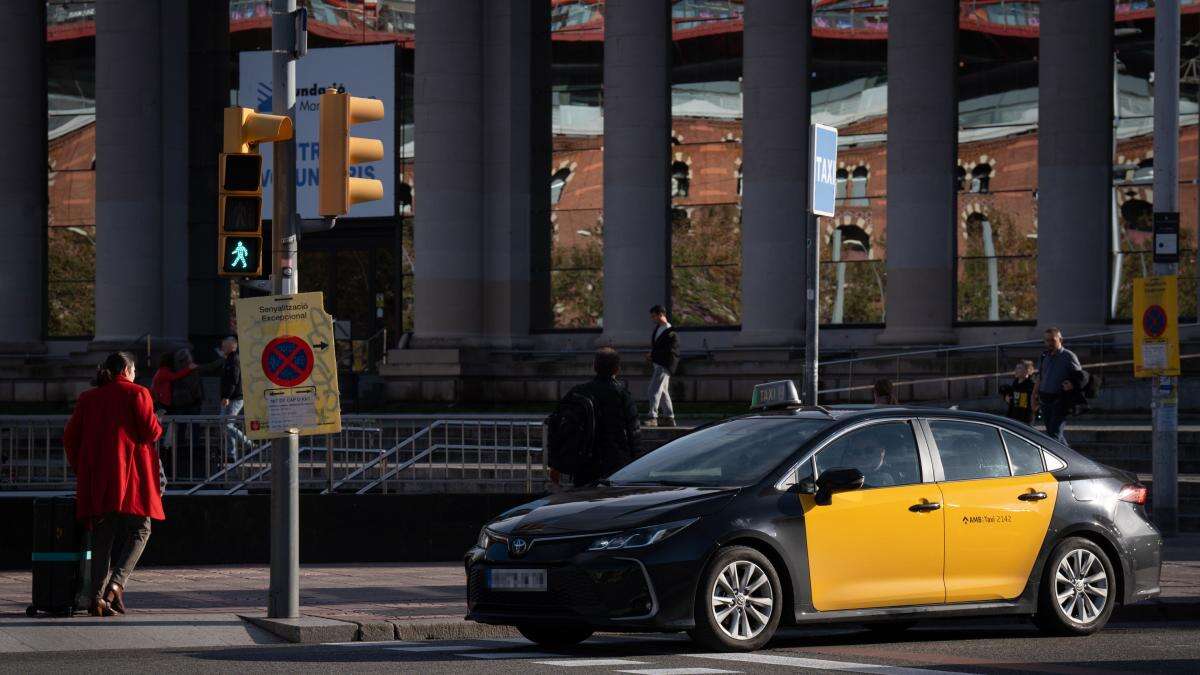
{"type": "Point", "coordinates": [1026, 457]}
{"type": "Point", "coordinates": [739, 452]}
{"type": "Point", "coordinates": [969, 450]}
{"type": "Point", "coordinates": [886, 454]}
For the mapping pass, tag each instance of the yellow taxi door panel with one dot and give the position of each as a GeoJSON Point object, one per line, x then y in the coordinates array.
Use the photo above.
{"type": "Point", "coordinates": [992, 535]}
{"type": "Point", "coordinates": [867, 549]}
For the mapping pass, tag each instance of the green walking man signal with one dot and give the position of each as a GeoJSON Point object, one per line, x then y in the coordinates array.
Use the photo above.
{"type": "Point", "coordinates": [239, 214]}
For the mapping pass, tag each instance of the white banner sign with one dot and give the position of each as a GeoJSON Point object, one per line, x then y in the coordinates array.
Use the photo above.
{"type": "Point", "coordinates": [366, 72]}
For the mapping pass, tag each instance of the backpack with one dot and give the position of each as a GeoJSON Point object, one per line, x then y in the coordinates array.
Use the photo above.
{"type": "Point", "coordinates": [187, 391]}
{"type": "Point", "coordinates": [572, 434]}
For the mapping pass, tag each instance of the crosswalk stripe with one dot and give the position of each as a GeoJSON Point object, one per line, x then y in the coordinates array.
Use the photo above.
{"type": "Point", "coordinates": [506, 655]}
{"type": "Point", "coordinates": [822, 664]}
{"type": "Point", "coordinates": [678, 671]}
{"type": "Point", "coordinates": [582, 663]}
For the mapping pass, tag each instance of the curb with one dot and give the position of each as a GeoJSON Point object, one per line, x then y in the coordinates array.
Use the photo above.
{"type": "Point", "coordinates": [313, 628]}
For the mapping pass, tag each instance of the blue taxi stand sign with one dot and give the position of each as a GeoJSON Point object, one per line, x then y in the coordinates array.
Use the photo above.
{"type": "Point", "coordinates": [823, 170]}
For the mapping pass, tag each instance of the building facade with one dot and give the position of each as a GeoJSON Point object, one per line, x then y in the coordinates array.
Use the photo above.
{"type": "Point", "coordinates": [564, 164]}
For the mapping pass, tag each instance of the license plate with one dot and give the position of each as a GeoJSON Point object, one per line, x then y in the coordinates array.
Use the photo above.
{"type": "Point", "coordinates": [517, 580]}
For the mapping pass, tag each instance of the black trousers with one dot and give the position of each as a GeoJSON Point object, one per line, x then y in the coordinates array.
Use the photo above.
{"type": "Point", "coordinates": [117, 543]}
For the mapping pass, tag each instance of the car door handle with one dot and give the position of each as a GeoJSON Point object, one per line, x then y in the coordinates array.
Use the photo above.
{"type": "Point", "coordinates": [1032, 496]}
{"type": "Point", "coordinates": [925, 506]}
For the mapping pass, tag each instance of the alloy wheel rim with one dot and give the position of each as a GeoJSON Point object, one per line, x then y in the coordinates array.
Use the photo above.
{"type": "Point", "coordinates": [742, 600]}
{"type": "Point", "coordinates": [1081, 586]}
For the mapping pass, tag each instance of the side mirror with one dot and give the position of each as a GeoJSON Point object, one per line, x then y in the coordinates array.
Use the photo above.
{"type": "Point", "coordinates": [837, 480]}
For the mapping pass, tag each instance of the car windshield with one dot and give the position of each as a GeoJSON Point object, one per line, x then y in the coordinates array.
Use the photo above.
{"type": "Point", "coordinates": [736, 453]}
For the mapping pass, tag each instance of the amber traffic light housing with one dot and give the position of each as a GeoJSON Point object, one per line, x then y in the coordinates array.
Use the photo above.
{"type": "Point", "coordinates": [339, 151]}
{"type": "Point", "coordinates": [239, 228]}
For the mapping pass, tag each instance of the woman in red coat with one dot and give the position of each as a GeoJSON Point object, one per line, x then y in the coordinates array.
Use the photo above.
{"type": "Point", "coordinates": [110, 445]}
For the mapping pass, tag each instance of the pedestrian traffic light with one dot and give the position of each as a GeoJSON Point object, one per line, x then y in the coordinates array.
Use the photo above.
{"type": "Point", "coordinates": [239, 229]}
{"type": "Point", "coordinates": [339, 151]}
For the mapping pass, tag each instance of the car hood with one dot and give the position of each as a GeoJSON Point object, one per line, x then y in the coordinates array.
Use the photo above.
{"type": "Point", "coordinates": [607, 509]}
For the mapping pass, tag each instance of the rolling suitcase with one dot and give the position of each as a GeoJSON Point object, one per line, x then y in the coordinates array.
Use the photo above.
{"type": "Point", "coordinates": [61, 559]}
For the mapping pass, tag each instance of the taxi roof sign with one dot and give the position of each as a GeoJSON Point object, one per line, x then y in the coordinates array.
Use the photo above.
{"type": "Point", "coordinates": [778, 394]}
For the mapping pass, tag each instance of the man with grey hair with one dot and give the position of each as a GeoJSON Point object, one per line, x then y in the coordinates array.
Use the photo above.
{"type": "Point", "coordinates": [1058, 369]}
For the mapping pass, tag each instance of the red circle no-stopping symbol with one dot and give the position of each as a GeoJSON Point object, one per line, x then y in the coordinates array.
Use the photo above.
{"type": "Point", "coordinates": [1154, 321]}
{"type": "Point", "coordinates": [287, 361]}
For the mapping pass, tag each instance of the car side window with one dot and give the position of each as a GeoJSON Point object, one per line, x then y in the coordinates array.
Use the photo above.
{"type": "Point", "coordinates": [885, 453]}
{"type": "Point", "coordinates": [969, 450]}
{"type": "Point", "coordinates": [1026, 457]}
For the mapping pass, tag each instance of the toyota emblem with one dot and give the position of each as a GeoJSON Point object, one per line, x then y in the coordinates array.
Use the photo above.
{"type": "Point", "coordinates": [518, 547]}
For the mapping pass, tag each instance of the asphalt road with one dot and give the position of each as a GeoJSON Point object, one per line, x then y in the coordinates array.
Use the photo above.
{"type": "Point", "coordinates": [973, 647]}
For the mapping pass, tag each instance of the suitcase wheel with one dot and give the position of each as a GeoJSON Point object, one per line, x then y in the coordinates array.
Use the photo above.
{"type": "Point", "coordinates": [31, 611]}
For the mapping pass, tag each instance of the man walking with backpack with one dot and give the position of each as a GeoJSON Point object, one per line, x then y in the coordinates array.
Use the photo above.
{"type": "Point", "coordinates": [664, 355]}
{"type": "Point", "coordinates": [594, 431]}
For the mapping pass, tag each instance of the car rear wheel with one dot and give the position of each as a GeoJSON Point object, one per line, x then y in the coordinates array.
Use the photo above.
{"type": "Point", "coordinates": [1078, 589]}
{"type": "Point", "coordinates": [556, 637]}
{"type": "Point", "coordinates": [739, 601]}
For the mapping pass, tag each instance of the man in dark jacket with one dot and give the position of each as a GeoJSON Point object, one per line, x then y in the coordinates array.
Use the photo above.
{"type": "Point", "coordinates": [617, 440]}
{"type": "Point", "coordinates": [664, 355]}
{"type": "Point", "coordinates": [231, 394]}
{"type": "Point", "coordinates": [1059, 374]}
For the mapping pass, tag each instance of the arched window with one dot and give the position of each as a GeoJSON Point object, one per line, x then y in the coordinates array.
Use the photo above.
{"type": "Point", "coordinates": [842, 176]}
{"type": "Point", "coordinates": [1137, 215]}
{"type": "Point", "coordinates": [856, 242]}
{"type": "Point", "coordinates": [960, 178]}
{"type": "Point", "coordinates": [405, 196]}
{"type": "Point", "coordinates": [858, 186]}
{"type": "Point", "coordinates": [981, 176]}
{"type": "Point", "coordinates": [1144, 172]}
{"type": "Point", "coordinates": [557, 182]}
{"type": "Point", "coordinates": [680, 184]}
{"type": "Point", "coordinates": [739, 181]}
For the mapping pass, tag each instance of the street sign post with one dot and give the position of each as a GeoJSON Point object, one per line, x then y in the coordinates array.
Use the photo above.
{"type": "Point", "coordinates": [289, 372]}
{"type": "Point", "coordinates": [822, 193]}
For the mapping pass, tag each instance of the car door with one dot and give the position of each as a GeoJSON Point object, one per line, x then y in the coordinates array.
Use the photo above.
{"type": "Point", "coordinates": [998, 500]}
{"type": "Point", "coordinates": [882, 544]}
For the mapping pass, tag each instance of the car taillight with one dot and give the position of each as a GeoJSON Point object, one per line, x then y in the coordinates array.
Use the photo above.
{"type": "Point", "coordinates": [1133, 493]}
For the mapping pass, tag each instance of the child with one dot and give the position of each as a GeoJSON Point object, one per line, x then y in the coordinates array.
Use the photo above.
{"type": "Point", "coordinates": [1020, 394]}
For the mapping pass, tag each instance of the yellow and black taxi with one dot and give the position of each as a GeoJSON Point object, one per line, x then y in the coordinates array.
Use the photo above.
{"type": "Point", "coordinates": [792, 515]}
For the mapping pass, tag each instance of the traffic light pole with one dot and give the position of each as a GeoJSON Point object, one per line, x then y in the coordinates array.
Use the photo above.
{"type": "Point", "coordinates": [1164, 397]}
{"type": "Point", "coordinates": [283, 601]}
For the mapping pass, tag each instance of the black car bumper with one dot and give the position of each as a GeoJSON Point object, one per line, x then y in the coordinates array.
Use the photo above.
{"type": "Point", "coordinates": [618, 590]}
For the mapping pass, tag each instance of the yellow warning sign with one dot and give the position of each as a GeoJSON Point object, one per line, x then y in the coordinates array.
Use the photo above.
{"type": "Point", "coordinates": [289, 371]}
{"type": "Point", "coordinates": [1155, 326]}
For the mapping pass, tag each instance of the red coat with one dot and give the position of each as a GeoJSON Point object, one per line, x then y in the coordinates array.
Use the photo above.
{"type": "Point", "coordinates": [109, 442]}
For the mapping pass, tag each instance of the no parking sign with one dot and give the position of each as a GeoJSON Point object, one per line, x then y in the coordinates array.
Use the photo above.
{"type": "Point", "coordinates": [1155, 326]}
{"type": "Point", "coordinates": [289, 372]}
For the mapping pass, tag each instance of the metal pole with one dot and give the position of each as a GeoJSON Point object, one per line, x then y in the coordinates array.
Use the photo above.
{"type": "Point", "coordinates": [283, 600]}
{"type": "Point", "coordinates": [1165, 390]}
{"type": "Point", "coordinates": [811, 309]}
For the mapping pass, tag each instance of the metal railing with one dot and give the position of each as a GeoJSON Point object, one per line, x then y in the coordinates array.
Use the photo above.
{"type": "Point", "coordinates": [373, 453]}
{"type": "Point", "coordinates": [931, 375]}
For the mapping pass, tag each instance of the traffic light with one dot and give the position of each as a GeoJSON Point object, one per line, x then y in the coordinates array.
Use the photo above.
{"type": "Point", "coordinates": [339, 150]}
{"type": "Point", "coordinates": [239, 230]}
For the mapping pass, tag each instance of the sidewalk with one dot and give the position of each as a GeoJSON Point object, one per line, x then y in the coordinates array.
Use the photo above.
{"type": "Point", "coordinates": [408, 601]}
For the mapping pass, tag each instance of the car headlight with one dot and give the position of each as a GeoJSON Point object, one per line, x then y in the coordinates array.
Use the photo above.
{"type": "Point", "coordinates": [639, 538]}
{"type": "Point", "coordinates": [485, 539]}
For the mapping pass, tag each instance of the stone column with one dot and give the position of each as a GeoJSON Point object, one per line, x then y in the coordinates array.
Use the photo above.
{"type": "Point", "coordinates": [921, 147]}
{"type": "Point", "coordinates": [1074, 164]}
{"type": "Point", "coordinates": [22, 176]}
{"type": "Point", "coordinates": [175, 123]}
{"type": "Point", "coordinates": [129, 172]}
{"type": "Point", "coordinates": [448, 232]}
{"type": "Point", "coordinates": [514, 178]}
{"type": "Point", "coordinates": [775, 96]}
{"type": "Point", "coordinates": [637, 136]}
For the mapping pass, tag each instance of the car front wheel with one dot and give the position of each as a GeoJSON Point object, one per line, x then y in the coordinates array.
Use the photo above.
{"type": "Point", "coordinates": [1078, 589]}
{"type": "Point", "coordinates": [739, 601]}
